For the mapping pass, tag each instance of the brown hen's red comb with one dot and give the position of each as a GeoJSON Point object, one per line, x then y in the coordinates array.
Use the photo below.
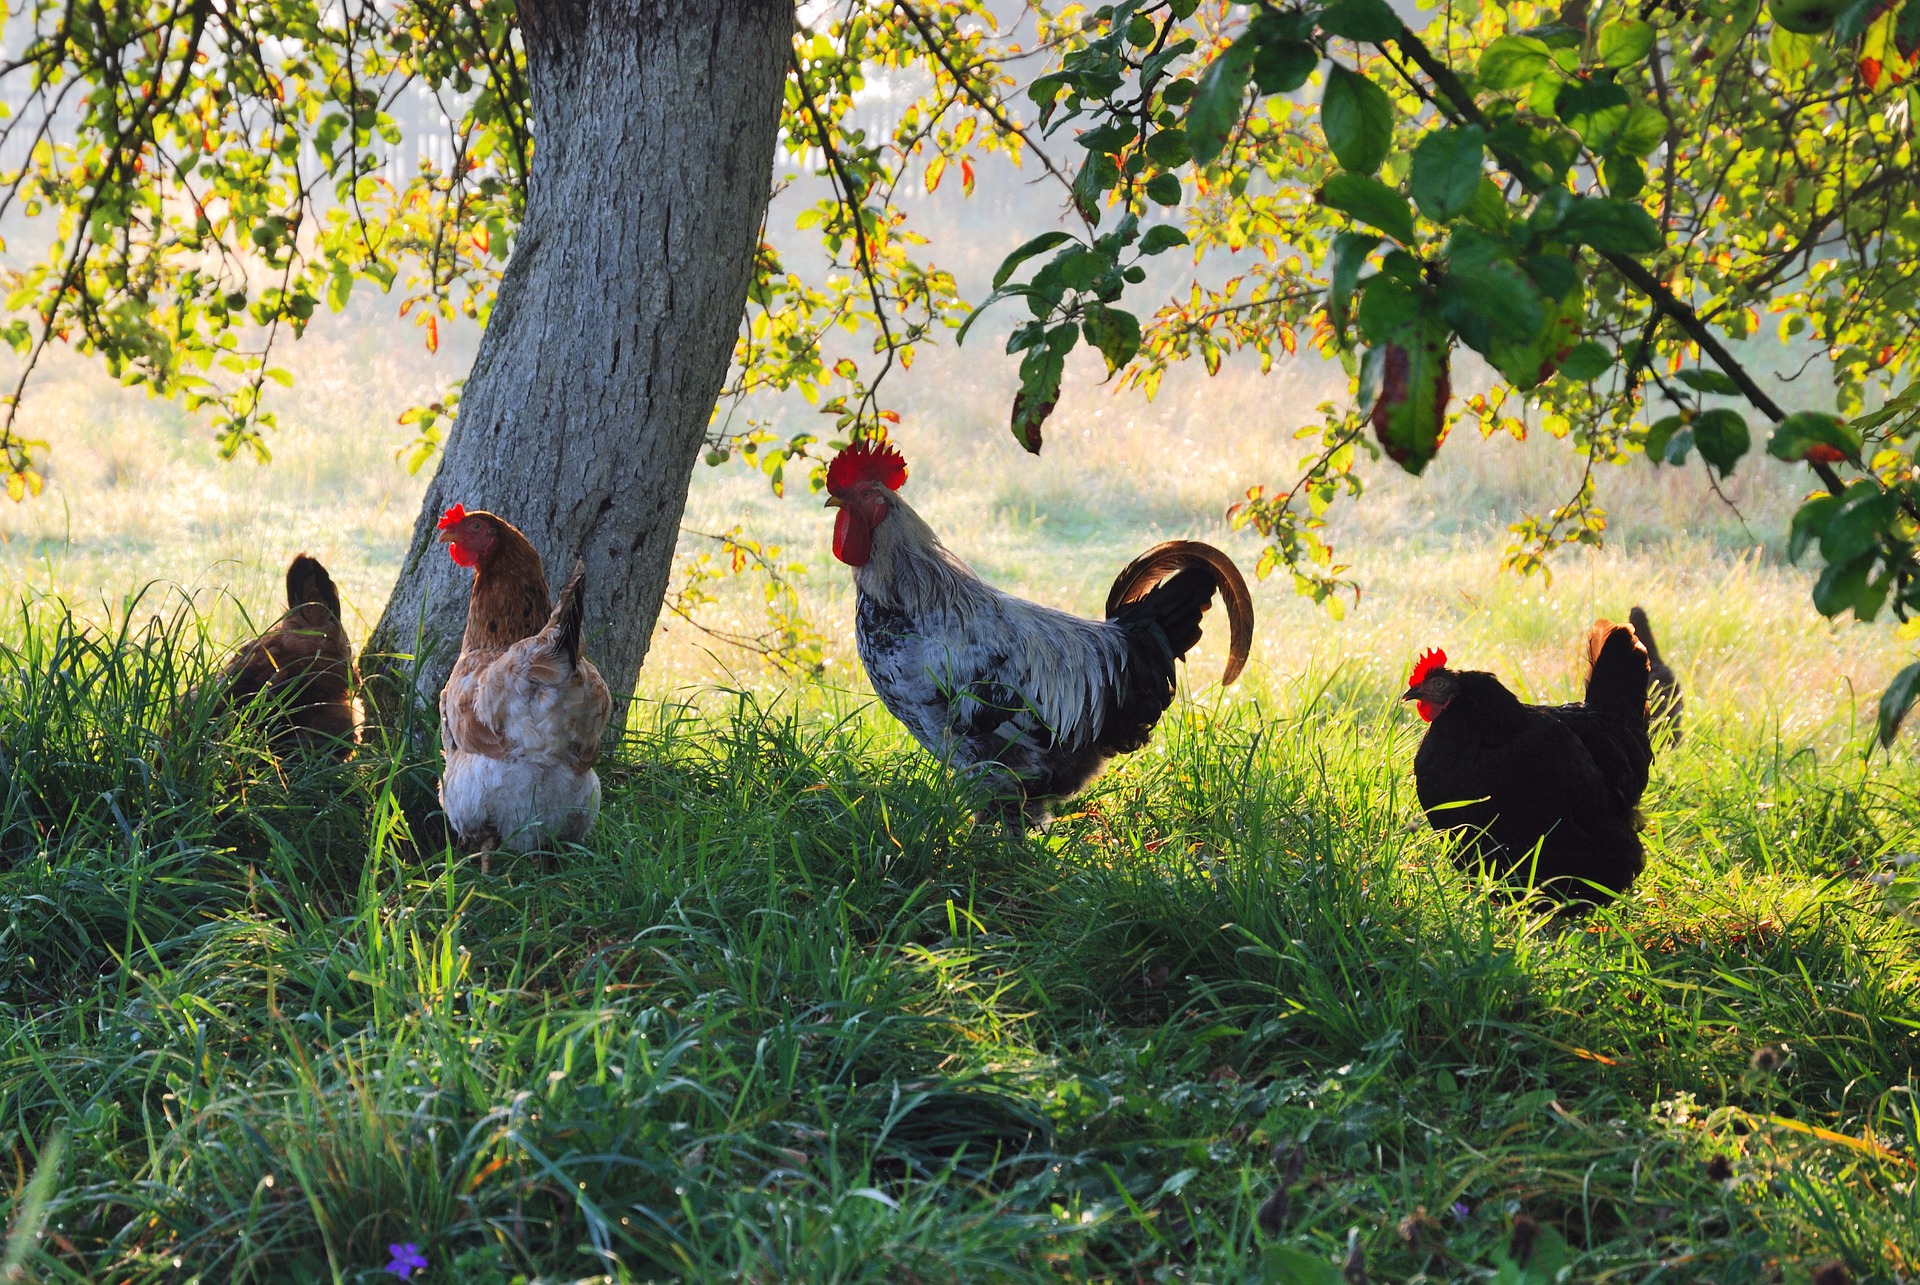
{"type": "Point", "coordinates": [866, 461]}
{"type": "Point", "coordinates": [453, 517]}
{"type": "Point", "coordinates": [1431, 659]}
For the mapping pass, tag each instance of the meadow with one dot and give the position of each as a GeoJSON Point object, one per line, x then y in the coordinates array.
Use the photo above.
{"type": "Point", "coordinates": [790, 1015]}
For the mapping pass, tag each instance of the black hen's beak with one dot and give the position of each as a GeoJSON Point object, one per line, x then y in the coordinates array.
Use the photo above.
{"type": "Point", "coordinates": [1412, 694]}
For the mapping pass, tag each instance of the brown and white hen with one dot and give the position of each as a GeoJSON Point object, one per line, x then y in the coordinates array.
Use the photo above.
{"type": "Point", "coordinates": [523, 712]}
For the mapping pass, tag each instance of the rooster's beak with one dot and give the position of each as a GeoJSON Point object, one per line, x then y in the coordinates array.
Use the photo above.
{"type": "Point", "coordinates": [833, 501]}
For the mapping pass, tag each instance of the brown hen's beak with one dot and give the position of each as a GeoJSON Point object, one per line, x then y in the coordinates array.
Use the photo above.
{"type": "Point", "coordinates": [833, 501]}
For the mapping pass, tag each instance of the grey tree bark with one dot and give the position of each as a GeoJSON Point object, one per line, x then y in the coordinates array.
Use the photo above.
{"type": "Point", "coordinates": [583, 416]}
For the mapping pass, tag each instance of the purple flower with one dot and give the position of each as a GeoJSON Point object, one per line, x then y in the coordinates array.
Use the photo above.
{"type": "Point", "coordinates": [1460, 1211]}
{"type": "Point", "coordinates": [407, 1259]}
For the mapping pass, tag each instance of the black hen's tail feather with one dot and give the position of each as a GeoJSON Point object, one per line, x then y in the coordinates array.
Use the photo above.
{"type": "Point", "coordinates": [1617, 684]}
{"type": "Point", "coordinates": [1171, 584]}
{"type": "Point", "coordinates": [308, 581]}
{"type": "Point", "coordinates": [571, 611]}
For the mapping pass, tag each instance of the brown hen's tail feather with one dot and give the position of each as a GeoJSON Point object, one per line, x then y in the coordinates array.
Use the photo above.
{"type": "Point", "coordinates": [1617, 683]}
{"type": "Point", "coordinates": [1141, 576]}
{"type": "Point", "coordinates": [570, 612]}
{"type": "Point", "coordinates": [308, 581]}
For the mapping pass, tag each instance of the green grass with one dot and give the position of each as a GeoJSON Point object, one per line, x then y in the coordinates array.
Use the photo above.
{"type": "Point", "coordinates": [791, 1016]}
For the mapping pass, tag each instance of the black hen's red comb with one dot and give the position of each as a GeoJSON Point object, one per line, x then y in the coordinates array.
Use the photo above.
{"type": "Point", "coordinates": [1431, 659]}
{"type": "Point", "coordinates": [866, 461]}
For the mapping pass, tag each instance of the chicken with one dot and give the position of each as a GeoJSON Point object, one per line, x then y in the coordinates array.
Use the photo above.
{"type": "Point", "coordinates": [303, 665]}
{"type": "Point", "coordinates": [1566, 780]}
{"type": "Point", "coordinates": [1664, 703]}
{"type": "Point", "coordinates": [523, 711]}
{"type": "Point", "coordinates": [1031, 700]}
{"type": "Point", "coordinates": [1663, 692]}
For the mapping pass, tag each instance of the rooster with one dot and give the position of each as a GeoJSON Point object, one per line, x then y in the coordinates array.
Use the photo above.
{"type": "Point", "coordinates": [1560, 781]}
{"type": "Point", "coordinates": [523, 712]}
{"type": "Point", "coordinates": [1033, 700]}
{"type": "Point", "coordinates": [303, 665]}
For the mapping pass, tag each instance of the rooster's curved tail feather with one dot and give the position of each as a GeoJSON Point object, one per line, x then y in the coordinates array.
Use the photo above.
{"type": "Point", "coordinates": [1146, 573]}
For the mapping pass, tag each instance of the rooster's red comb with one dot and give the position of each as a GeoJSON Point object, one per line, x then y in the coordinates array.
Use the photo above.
{"type": "Point", "coordinates": [866, 461]}
{"type": "Point", "coordinates": [453, 517]}
{"type": "Point", "coordinates": [1431, 659]}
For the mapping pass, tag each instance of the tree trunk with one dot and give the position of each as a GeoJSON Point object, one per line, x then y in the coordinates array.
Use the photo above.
{"type": "Point", "coordinates": [584, 414]}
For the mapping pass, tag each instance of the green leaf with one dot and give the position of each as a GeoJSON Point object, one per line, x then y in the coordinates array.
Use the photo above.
{"type": "Point", "coordinates": [1095, 178]}
{"type": "Point", "coordinates": [1163, 189]}
{"type": "Point", "coordinates": [1357, 118]}
{"type": "Point", "coordinates": [1856, 525]}
{"type": "Point", "coordinates": [1161, 236]}
{"type": "Point", "coordinates": [1585, 361]}
{"type": "Point", "coordinates": [1350, 251]}
{"type": "Point", "coordinates": [1626, 176]}
{"type": "Point", "coordinates": [1488, 209]}
{"type": "Point", "coordinates": [1850, 587]}
{"type": "Point", "coordinates": [1388, 306]}
{"type": "Point", "coordinates": [1282, 66]}
{"type": "Point", "coordinates": [1114, 332]}
{"type": "Point", "coordinates": [1595, 109]}
{"type": "Point", "coordinates": [1810, 523]}
{"type": "Point", "coordinates": [1678, 447]}
{"type": "Point", "coordinates": [1530, 362]}
{"type": "Point", "coordinates": [1447, 169]}
{"type": "Point", "coordinates": [1722, 438]}
{"type": "Point", "coordinates": [1611, 226]}
{"type": "Point", "coordinates": [1039, 392]}
{"type": "Point", "coordinates": [1896, 701]}
{"type": "Point", "coordinates": [1660, 435]}
{"type": "Point", "coordinates": [1545, 154]}
{"type": "Point", "coordinates": [1701, 379]}
{"type": "Point", "coordinates": [1410, 382]}
{"type": "Point", "coordinates": [1644, 130]}
{"type": "Point", "coordinates": [1790, 50]}
{"type": "Point", "coordinates": [1624, 42]}
{"type": "Point", "coordinates": [1853, 19]}
{"type": "Point", "coordinates": [1039, 245]}
{"type": "Point", "coordinates": [1515, 62]}
{"type": "Point", "coordinates": [1371, 202]}
{"type": "Point", "coordinates": [1372, 21]}
{"type": "Point", "coordinates": [1492, 300]}
{"type": "Point", "coordinates": [1215, 108]}
{"type": "Point", "coordinates": [1168, 149]}
{"type": "Point", "coordinates": [1813, 435]}
{"type": "Point", "coordinates": [1012, 292]}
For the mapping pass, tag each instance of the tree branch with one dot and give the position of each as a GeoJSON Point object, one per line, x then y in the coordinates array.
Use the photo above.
{"type": "Point", "coordinates": [1635, 272]}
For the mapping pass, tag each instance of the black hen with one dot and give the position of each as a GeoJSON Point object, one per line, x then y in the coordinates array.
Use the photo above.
{"type": "Point", "coordinates": [1544, 794]}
